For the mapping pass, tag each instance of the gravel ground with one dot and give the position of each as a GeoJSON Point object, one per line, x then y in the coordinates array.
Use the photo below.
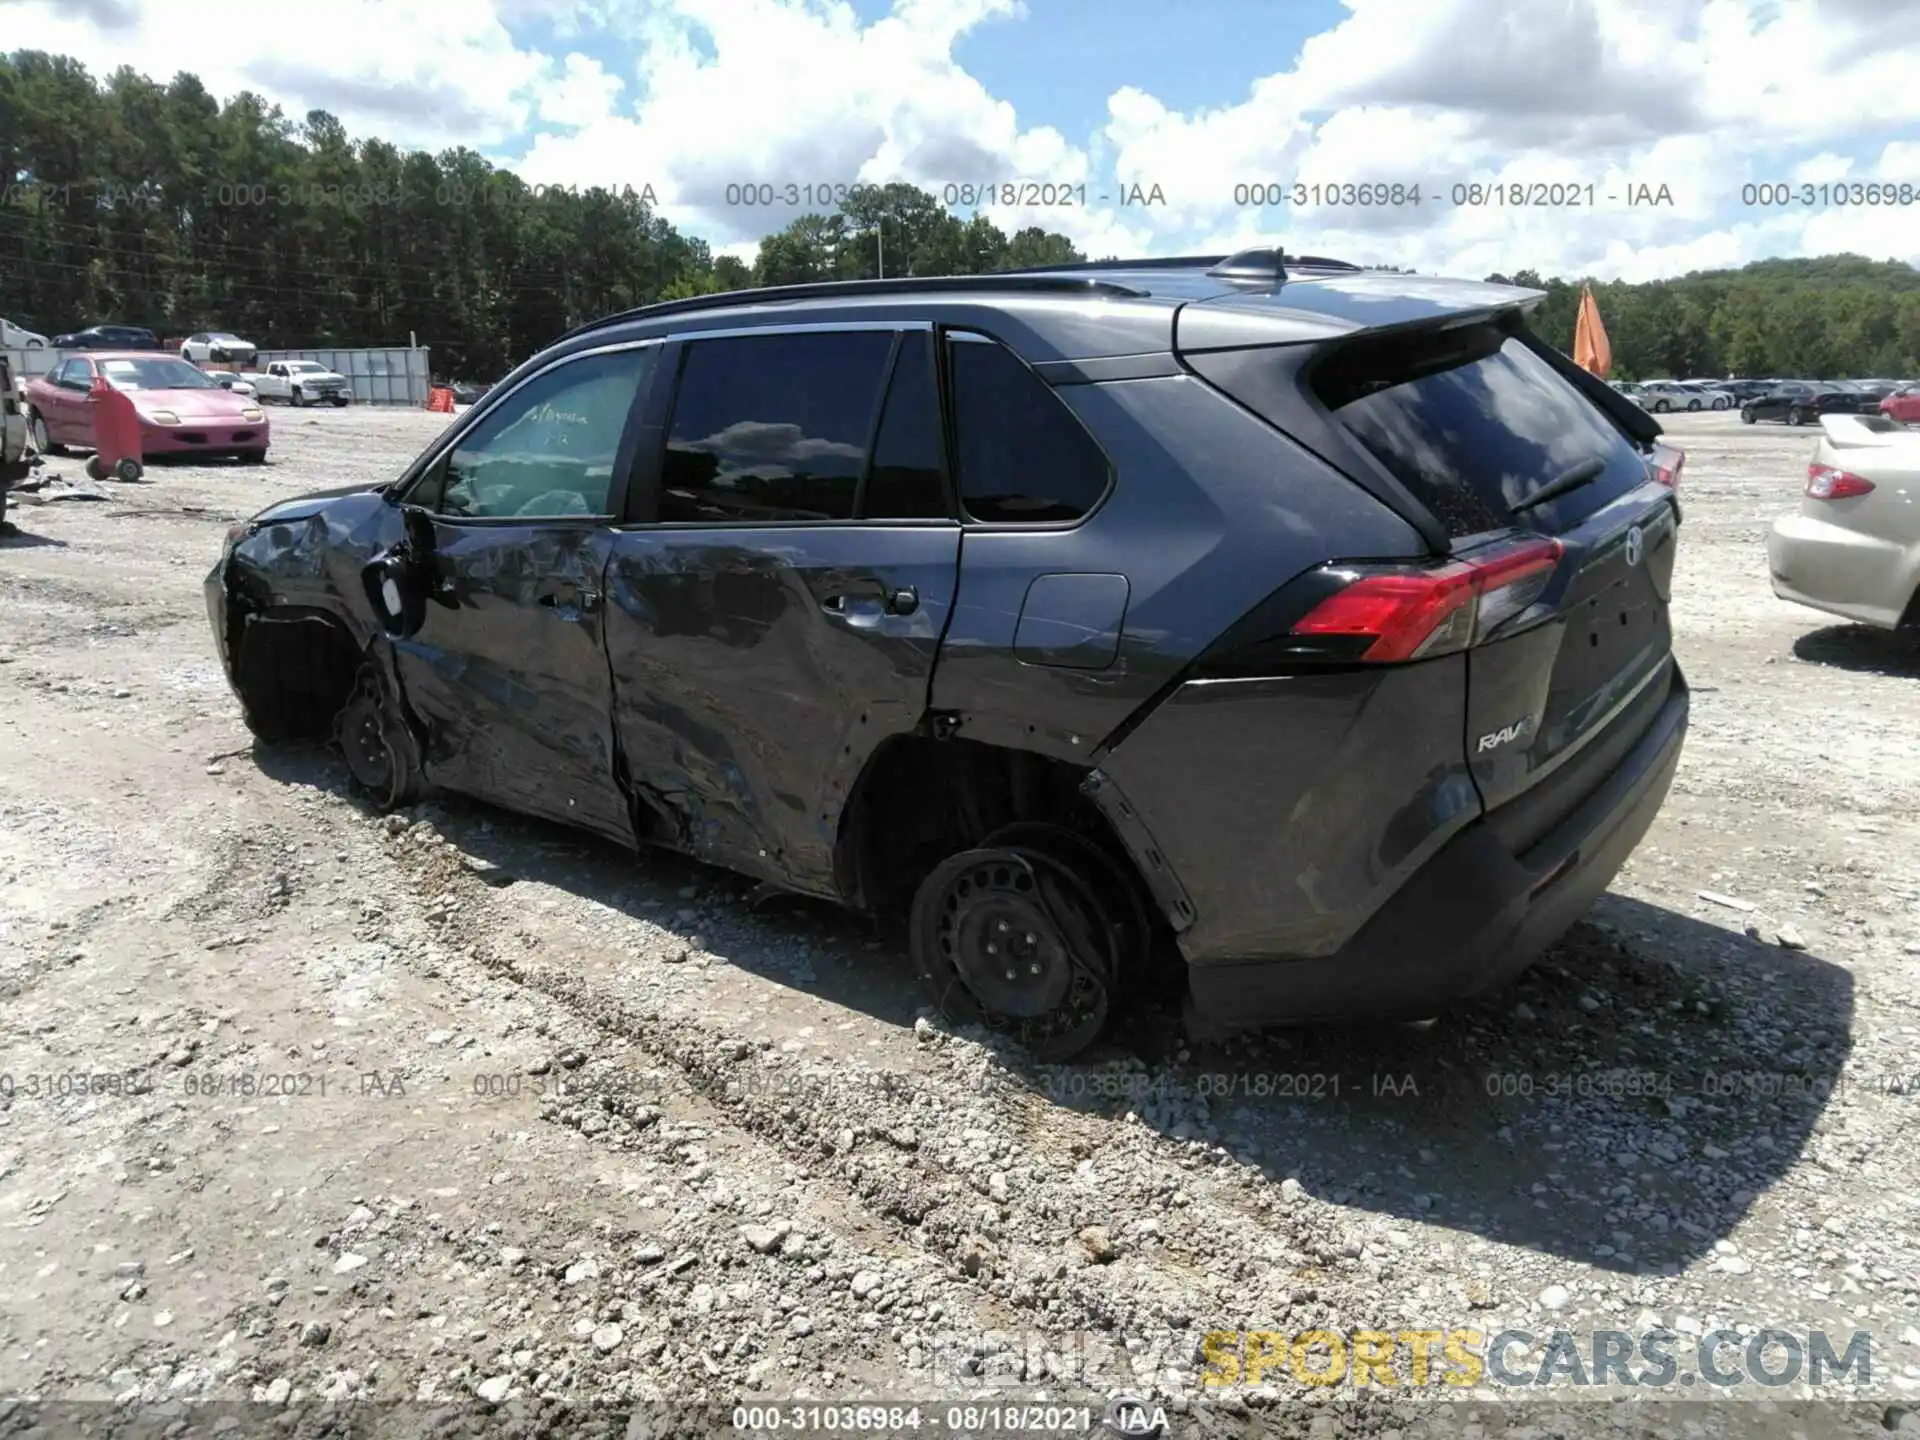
{"type": "Point", "coordinates": [452, 1109]}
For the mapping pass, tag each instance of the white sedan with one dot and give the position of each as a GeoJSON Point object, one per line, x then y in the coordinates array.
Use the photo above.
{"type": "Point", "coordinates": [15, 337]}
{"type": "Point", "coordinates": [1853, 546]}
{"type": "Point", "coordinates": [231, 380]}
{"type": "Point", "coordinates": [218, 347]}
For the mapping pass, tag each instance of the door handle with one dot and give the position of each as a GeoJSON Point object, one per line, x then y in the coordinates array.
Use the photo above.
{"type": "Point", "coordinates": [585, 601]}
{"type": "Point", "coordinates": [903, 601]}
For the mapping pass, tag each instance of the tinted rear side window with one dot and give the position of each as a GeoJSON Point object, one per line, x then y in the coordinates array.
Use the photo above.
{"type": "Point", "coordinates": [1473, 422]}
{"type": "Point", "coordinates": [906, 481]}
{"type": "Point", "coordinates": [773, 427]}
{"type": "Point", "coordinates": [1023, 455]}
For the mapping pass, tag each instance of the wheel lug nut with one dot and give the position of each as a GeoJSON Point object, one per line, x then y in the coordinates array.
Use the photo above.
{"type": "Point", "coordinates": [1033, 969]}
{"type": "Point", "coordinates": [992, 949]}
{"type": "Point", "coordinates": [1013, 975]}
{"type": "Point", "coordinates": [1033, 939]}
{"type": "Point", "coordinates": [1004, 927]}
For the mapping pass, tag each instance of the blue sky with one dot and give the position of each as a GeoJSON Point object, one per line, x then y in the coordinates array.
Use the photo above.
{"type": "Point", "coordinates": [1694, 102]}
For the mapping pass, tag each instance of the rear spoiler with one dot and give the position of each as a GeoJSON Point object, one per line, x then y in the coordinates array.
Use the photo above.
{"type": "Point", "coordinates": [1853, 432]}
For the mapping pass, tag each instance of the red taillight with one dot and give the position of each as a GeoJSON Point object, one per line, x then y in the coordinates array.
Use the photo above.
{"type": "Point", "coordinates": [1665, 463]}
{"type": "Point", "coordinates": [1411, 614]}
{"type": "Point", "coordinates": [1829, 482]}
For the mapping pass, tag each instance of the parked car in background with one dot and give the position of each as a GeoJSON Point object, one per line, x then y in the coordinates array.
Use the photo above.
{"type": "Point", "coordinates": [218, 347]}
{"type": "Point", "coordinates": [15, 337]}
{"type": "Point", "coordinates": [108, 337]}
{"type": "Point", "coordinates": [1713, 395]}
{"type": "Point", "coordinates": [1664, 395]}
{"type": "Point", "coordinates": [1903, 404]}
{"type": "Point", "coordinates": [181, 410]}
{"type": "Point", "coordinates": [1853, 546]}
{"type": "Point", "coordinates": [13, 438]}
{"type": "Point", "coordinates": [1745, 390]}
{"type": "Point", "coordinates": [1801, 402]}
{"type": "Point", "coordinates": [301, 382]}
{"type": "Point", "coordinates": [231, 380]}
{"type": "Point", "coordinates": [742, 613]}
{"type": "Point", "coordinates": [1874, 390]}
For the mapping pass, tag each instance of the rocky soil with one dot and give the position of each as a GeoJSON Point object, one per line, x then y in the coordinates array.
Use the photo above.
{"type": "Point", "coordinates": [495, 1123]}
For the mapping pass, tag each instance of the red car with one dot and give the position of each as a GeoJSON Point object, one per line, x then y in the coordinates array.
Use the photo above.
{"type": "Point", "coordinates": [1903, 404]}
{"type": "Point", "coordinates": [181, 408]}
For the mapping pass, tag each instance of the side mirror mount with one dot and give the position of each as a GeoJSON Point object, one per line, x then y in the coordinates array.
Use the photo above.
{"type": "Point", "coordinates": [400, 580]}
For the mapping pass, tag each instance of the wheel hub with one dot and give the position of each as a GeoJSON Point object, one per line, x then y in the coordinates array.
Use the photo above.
{"type": "Point", "coordinates": [1004, 944]}
{"type": "Point", "coordinates": [1011, 938]}
{"type": "Point", "coordinates": [364, 743]}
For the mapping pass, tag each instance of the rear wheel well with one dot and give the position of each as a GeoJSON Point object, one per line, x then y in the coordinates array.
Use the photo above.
{"type": "Point", "coordinates": [920, 799]}
{"type": "Point", "coordinates": [293, 670]}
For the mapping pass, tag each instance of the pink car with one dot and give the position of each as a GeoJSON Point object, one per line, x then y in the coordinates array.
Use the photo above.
{"type": "Point", "coordinates": [182, 409]}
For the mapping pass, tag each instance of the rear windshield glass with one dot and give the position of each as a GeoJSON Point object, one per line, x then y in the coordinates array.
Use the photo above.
{"type": "Point", "coordinates": [1472, 421]}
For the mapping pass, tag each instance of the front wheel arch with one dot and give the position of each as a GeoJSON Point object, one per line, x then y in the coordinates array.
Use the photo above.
{"type": "Point", "coordinates": [293, 670]}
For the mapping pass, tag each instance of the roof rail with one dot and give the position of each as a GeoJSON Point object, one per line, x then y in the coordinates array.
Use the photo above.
{"type": "Point", "coordinates": [1039, 282]}
{"type": "Point", "coordinates": [1187, 262]}
{"type": "Point", "coordinates": [1155, 262]}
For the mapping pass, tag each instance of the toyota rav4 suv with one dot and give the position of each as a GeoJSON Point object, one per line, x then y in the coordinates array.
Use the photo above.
{"type": "Point", "coordinates": [1304, 622]}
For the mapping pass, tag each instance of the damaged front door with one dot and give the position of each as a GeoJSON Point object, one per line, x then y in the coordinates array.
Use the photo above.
{"type": "Point", "coordinates": [507, 670]}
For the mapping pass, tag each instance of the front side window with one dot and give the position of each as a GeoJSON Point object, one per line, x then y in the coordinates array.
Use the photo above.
{"type": "Point", "coordinates": [548, 449]}
{"type": "Point", "coordinates": [1023, 455]}
{"type": "Point", "coordinates": [76, 374]}
{"type": "Point", "coordinates": [772, 427]}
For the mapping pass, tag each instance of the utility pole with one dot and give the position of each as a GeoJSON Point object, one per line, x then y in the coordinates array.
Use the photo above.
{"type": "Point", "coordinates": [880, 233]}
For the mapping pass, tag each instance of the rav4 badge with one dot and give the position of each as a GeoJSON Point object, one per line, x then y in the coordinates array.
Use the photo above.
{"type": "Point", "coordinates": [1503, 736]}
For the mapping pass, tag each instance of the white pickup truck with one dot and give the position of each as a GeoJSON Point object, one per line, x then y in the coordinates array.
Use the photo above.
{"type": "Point", "coordinates": [301, 382]}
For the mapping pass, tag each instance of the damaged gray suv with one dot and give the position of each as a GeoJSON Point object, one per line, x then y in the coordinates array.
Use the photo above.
{"type": "Point", "coordinates": [1306, 622]}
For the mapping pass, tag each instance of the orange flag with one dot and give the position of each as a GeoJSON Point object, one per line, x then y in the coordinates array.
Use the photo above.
{"type": "Point", "coordinates": [1590, 348]}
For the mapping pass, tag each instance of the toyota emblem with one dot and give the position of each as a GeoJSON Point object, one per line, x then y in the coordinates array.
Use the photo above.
{"type": "Point", "coordinates": [1636, 545]}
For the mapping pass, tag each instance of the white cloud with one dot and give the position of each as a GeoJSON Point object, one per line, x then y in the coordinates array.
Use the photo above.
{"type": "Point", "coordinates": [1690, 98]}
{"type": "Point", "coordinates": [580, 94]}
{"type": "Point", "coordinates": [416, 72]}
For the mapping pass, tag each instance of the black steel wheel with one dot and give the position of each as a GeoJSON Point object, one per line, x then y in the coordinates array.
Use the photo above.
{"type": "Point", "coordinates": [1122, 911]}
{"type": "Point", "coordinates": [1011, 938]}
{"type": "Point", "coordinates": [374, 741]}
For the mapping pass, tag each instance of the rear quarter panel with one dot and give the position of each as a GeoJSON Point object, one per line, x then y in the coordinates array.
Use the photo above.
{"type": "Point", "coordinates": [1211, 511]}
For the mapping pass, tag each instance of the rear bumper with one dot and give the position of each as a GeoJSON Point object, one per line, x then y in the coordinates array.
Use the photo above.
{"type": "Point", "coordinates": [1470, 919]}
{"type": "Point", "coordinates": [1812, 561]}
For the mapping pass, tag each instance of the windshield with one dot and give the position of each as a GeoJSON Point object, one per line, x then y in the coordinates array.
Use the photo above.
{"type": "Point", "coordinates": [305, 367]}
{"type": "Point", "coordinates": [155, 374]}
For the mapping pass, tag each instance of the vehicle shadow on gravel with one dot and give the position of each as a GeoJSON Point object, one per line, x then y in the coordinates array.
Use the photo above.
{"type": "Point", "coordinates": [1624, 1103]}
{"type": "Point", "coordinates": [1861, 647]}
{"type": "Point", "coordinates": [12, 537]}
{"type": "Point", "coordinates": [784, 937]}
